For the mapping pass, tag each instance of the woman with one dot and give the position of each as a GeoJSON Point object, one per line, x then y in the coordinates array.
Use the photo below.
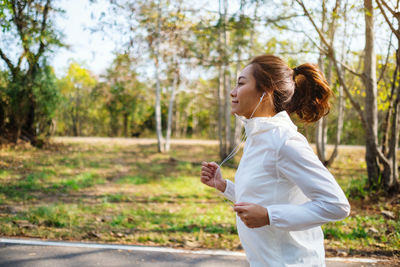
{"type": "Point", "coordinates": [282, 192]}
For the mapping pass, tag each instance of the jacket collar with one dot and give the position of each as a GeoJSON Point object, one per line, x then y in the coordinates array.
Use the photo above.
{"type": "Point", "coordinates": [262, 124]}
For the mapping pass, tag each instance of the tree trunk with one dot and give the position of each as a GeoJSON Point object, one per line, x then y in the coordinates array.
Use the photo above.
{"type": "Point", "coordinates": [390, 173]}
{"type": "Point", "coordinates": [371, 109]}
{"type": "Point", "coordinates": [195, 119]}
{"type": "Point", "coordinates": [185, 122]}
{"type": "Point", "coordinates": [320, 140]}
{"type": "Point", "coordinates": [74, 123]}
{"type": "Point", "coordinates": [170, 109]}
{"type": "Point", "coordinates": [339, 128]}
{"type": "Point", "coordinates": [319, 129]}
{"type": "Point", "coordinates": [2, 116]}
{"type": "Point", "coordinates": [227, 78]}
{"type": "Point", "coordinates": [28, 129]}
{"type": "Point", "coordinates": [160, 138]}
{"type": "Point", "coordinates": [177, 120]}
{"type": "Point", "coordinates": [220, 113]}
{"type": "Point", "coordinates": [221, 86]}
{"type": "Point", "coordinates": [125, 122]}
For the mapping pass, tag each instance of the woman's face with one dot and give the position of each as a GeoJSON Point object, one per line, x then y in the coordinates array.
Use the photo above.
{"type": "Point", "coordinates": [245, 96]}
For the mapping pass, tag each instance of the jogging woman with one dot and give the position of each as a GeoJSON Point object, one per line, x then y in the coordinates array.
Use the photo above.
{"type": "Point", "coordinates": [282, 193]}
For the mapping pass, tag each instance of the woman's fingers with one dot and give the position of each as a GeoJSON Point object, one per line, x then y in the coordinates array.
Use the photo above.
{"type": "Point", "coordinates": [213, 165]}
{"type": "Point", "coordinates": [242, 204]}
{"type": "Point", "coordinates": [207, 169]}
{"type": "Point", "coordinates": [204, 180]}
{"type": "Point", "coordinates": [210, 167]}
{"type": "Point", "coordinates": [206, 172]}
{"type": "Point", "coordinates": [240, 209]}
{"type": "Point", "coordinates": [207, 176]}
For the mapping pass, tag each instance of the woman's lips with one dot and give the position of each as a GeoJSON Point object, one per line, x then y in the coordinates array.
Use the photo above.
{"type": "Point", "coordinates": [235, 102]}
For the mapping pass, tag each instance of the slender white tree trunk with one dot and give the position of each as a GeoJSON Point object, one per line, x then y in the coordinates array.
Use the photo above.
{"type": "Point", "coordinates": [160, 138]}
{"type": "Point", "coordinates": [170, 109]}
{"type": "Point", "coordinates": [227, 104]}
{"type": "Point", "coordinates": [221, 86]}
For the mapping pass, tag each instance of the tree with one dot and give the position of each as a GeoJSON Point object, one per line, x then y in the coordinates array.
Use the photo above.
{"type": "Point", "coordinates": [124, 96]}
{"type": "Point", "coordinates": [76, 88]}
{"type": "Point", "coordinates": [28, 28]}
{"type": "Point", "coordinates": [388, 155]}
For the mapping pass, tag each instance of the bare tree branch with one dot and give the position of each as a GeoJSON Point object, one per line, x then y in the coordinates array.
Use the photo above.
{"type": "Point", "coordinates": [326, 52]}
{"type": "Point", "coordinates": [349, 69]}
{"type": "Point", "coordinates": [18, 8]}
{"type": "Point", "coordinates": [388, 8]}
{"type": "Point", "coordinates": [42, 31]}
{"type": "Point", "coordinates": [355, 104]}
{"type": "Point", "coordinates": [7, 60]}
{"type": "Point", "coordinates": [387, 19]}
{"type": "Point", "coordinates": [321, 35]}
{"type": "Point", "coordinates": [386, 60]}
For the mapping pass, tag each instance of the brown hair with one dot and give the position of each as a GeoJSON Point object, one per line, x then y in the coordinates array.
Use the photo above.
{"type": "Point", "coordinates": [302, 90]}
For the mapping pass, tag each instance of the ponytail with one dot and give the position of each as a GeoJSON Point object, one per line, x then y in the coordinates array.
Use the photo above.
{"type": "Point", "coordinates": [310, 100]}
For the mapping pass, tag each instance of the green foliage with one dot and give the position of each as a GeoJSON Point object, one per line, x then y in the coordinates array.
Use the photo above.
{"type": "Point", "coordinates": [57, 216]}
{"type": "Point", "coordinates": [81, 181]}
{"type": "Point", "coordinates": [5, 6]}
{"type": "Point", "coordinates": [48, 98]}
{"type": "Point", "coordinates": [136, 179]}
{"type": "Point", "coordinates": [357, 189]}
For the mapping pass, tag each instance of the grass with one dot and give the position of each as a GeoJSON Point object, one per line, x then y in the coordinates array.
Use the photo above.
{"type": "Point", "coordinates": [128, 193]}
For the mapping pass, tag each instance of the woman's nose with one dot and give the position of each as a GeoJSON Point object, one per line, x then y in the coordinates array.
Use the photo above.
{"type": "Point", "coordinates": [233, 92]}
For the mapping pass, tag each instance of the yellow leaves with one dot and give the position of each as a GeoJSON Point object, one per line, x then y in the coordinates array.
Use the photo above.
{"type": "Point", "coordinates": [77, 78]}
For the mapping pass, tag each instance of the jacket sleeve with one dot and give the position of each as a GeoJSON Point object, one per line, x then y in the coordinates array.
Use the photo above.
{"type": "Point", "coordinates": [229, 192]}
{"type": "Point", "coordinates": [297, 162]}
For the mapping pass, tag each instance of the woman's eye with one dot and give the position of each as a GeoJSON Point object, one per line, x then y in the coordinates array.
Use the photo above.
{"type": "Point", "coordinates": [240, 84]}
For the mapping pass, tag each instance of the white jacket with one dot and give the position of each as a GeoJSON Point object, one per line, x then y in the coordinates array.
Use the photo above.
{"type": "Point", "coordinates": [279, 171]}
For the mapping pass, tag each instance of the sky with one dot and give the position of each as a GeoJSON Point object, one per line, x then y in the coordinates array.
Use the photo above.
{"type": "Point", "coordinates": [92, 50]}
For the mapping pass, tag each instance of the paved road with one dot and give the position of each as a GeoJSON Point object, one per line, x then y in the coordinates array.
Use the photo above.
{"type": "Point", "coordinates": [49, 254]}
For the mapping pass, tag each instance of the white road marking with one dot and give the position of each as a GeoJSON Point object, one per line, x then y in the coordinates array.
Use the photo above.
{"type": "Point", "coordinates": [120, 247]}
{"type": "Point", "coordinates": [355, 260]}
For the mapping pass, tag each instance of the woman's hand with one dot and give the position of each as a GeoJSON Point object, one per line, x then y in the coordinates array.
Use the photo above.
{"type": "Point", "coordinates": [211, 176]}
{"type": "Point", "coordinates": [252, 215]}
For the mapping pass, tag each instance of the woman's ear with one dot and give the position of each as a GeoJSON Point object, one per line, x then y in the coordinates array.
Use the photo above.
{"type": "Point", "coordinates": [267, 97]}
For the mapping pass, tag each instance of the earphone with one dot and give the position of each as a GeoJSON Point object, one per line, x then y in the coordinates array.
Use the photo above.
{"type": "Point", "coordinates": [261, 97]}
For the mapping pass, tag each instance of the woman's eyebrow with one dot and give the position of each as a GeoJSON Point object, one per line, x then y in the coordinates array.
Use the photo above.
{"type": "Point", "coordinates": [241, 77]}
